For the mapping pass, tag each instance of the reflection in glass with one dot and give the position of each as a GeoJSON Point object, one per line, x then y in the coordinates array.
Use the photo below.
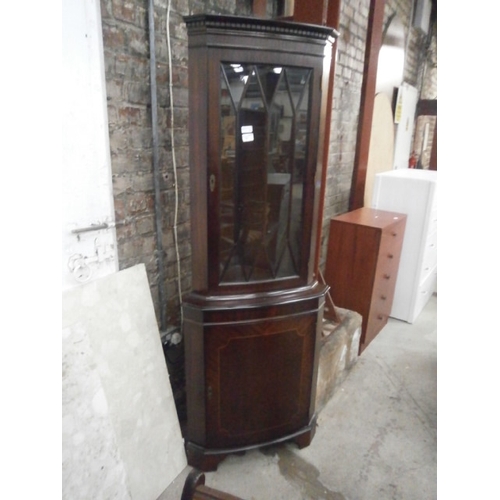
{"type": "Point", "coordinates": [264, 116]}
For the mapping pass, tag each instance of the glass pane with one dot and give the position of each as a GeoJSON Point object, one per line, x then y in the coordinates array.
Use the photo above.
{"type": "Point", "coordinates": [227, 183]}
{"type": "Point", "coordinates": [237, 77]}
{"type": "Point", "coordinates": [280, 172]}
{"type": "Point", "coordinates": [298, 79]}
{"type": "Point", "coordinates": [261, 186]}
{"type": "Point", "coordinates": [299, 86]}
{"type": "Point", "coordinates": [269, 77]}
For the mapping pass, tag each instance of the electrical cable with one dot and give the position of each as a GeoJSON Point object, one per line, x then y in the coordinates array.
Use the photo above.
{"type": "Point", "coordinates": [157, 197]}
{"type": "Point", "coordinates": [174, 164]}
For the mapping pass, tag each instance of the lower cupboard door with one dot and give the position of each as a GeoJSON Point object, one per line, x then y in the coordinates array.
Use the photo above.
{"type": "Point", "coordinates": [259, 378]}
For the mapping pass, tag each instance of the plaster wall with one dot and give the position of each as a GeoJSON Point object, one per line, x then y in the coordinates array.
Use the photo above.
{"type": "Point", "coordinates": [87, 192]}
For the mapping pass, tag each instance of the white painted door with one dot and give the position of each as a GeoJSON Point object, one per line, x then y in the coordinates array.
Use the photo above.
{"type": "Point", "coordinates": [87, 201]}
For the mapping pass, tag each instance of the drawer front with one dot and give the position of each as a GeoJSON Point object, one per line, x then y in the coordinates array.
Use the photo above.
{"type": "Point", "coordinates": [391, 241]}
{"type": "Point", "coordinates": [429, 261]}
{"type": "Point", "coordinates": [388, 259]}
{"type": "Point", "coordinates": [382, 298]}
{"type": "Point", "coordinates": [423, 294]}
{"type": "Point", "coordinates": [376, 321]}
{"type": "Point", "coordinates": [385, 281]}
{"type": "Point", "coordinates": [387, 269]}
{"type": "Point", "coordinates": [394, 234]}
{"type": "Point", "coordinates": [380, 308]}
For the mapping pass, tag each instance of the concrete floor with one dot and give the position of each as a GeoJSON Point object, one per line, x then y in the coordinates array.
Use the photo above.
{"type": "Point", "coordinates": [376, 437]}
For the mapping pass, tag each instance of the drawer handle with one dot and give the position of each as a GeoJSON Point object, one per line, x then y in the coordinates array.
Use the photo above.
{"type": "Point", "coordinates": [391, 256]}
{"type": "Point", "coordinates": [380, 316]}
{"type": "Point", "coordinates": [387, 276]}
{"type": "Point", "coordinates": [383, 297]}
{"type": "Point", "coordinates": [394, 234]}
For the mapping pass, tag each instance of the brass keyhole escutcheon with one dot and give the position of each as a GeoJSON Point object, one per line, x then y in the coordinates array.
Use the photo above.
{"type": "Point", "coordinates": [212, 183]}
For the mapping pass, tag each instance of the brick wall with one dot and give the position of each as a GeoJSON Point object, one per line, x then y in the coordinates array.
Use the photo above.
{"type": "Point", "coordinates": [126, 50]}
{"type": "Point", "coordinates": [346, 104]}
{"type": "Point", "coordinates": [428, 79]}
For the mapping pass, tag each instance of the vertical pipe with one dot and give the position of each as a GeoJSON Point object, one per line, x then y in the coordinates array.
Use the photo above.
{"type": "Point", "coordinates": [174, 165]}
{"type": "Point", "coordinates": [408, 36]}
{"type": "Point", "coordinates": [156, 170]}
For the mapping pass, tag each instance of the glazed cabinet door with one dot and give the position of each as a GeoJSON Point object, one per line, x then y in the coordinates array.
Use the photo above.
{"type": "Point", "coordinates": [254, 152]}
{"type": "Point", "coordinates": [265, 119]}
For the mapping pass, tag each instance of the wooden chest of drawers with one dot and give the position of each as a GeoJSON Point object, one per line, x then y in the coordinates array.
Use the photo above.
{"type": "Point", "coordinates": [364, 249]}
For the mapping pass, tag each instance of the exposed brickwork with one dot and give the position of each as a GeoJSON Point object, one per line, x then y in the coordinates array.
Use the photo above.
{"type": "Point", "coordinates": [413, 38]}
{"type": "Point", "coordinates": [346, 104]}
{"type": "Point", "coordinates": [429, 80]}
{"type": "Point", "coordinates": [126, 48]}
{"type": "Point", "coordinates": [428, 57]}
{"type": "Point", "coordinates": [347, 94]}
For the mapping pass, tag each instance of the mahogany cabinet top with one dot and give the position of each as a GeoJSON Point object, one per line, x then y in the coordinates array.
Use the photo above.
{"type": "Point", "coordinates": [210, 22]}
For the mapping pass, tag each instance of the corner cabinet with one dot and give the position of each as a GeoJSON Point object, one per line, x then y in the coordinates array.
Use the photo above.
{"type": "Point", "coordinates": [413, 192]}
{"type": "Point", "coordinates": [253, 319]}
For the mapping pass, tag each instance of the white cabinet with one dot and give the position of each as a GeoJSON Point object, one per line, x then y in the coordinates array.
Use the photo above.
{"type": "Point", "coordinates": [412, 192]}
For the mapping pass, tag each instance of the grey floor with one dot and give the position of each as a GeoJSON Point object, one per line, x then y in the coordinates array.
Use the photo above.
{"type": "Point", "coordinates": [376, 437]}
